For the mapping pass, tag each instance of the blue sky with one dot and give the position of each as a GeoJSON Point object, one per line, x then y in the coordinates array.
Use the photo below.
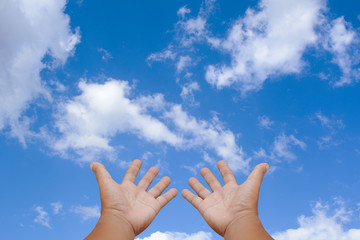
{"type": "Point", "coordinates": [180, 85]}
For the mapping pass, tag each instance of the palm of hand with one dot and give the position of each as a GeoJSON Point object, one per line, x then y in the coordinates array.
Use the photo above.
{"type": "Point", "coordinates": [226, 203]}
{"type": "Point", "coordinates": [137, 206]}
{"type": "Point", "coordinates": [131, 202]}
{"type": "Point", "coordinates": [223, 206]}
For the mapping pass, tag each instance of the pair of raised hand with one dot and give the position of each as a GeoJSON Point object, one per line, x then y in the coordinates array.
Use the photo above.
{"type": "Point", "coordinates": [128, 209]}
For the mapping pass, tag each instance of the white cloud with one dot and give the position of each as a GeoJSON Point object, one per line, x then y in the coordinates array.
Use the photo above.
{"type": "Point", "coordinates": [329, 123]}
{"type": "Point", "coordinates": [57, 206]}
{"type": "Point", "coordinates": [106, 55]}
{"type": "Point", "coordinates": [87, 212]}
{"type": "Point", "coordinates": [184, 62]}
{"type": "Point", "coordinates": [42, 218]}
{"type": "Point", "coordinates": [183, 11]}
{"type": "Point", "coordinates": [339, 42]}
{"type": "Point", "coordinates": [331, 126]}
{"type": "Point", "coordinates": [265, 122]}
{"type": "Point", "coordinates": [187, 92]}
{"type": "Point", "coordinates": [89, 122]}
{"type": "Point", "coordinates": [324, 224]}
{"type": "Point", "coordinates": [178, 236]}
{"type": "Point", "coordinates": [267, 42]}
{"type": "Point", "coordinates": [281, 148]}
{"type": "Point", "coordinates": [209, 135]}
{"type": "Point", "coordinates": [162, 56]}
{"type": "Point", "coordinates": [30, 30]}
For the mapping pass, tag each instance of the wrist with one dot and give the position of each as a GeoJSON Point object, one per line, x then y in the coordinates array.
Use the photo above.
{"type": "Point", "coordinates": [246, 226]}
{"type": "Point", "coordinates": [116, 217]}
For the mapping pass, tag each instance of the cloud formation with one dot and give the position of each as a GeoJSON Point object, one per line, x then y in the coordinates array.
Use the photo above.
{"type": "Point", "coordinates": [87, 212]}
{"type": "Point", "coordinates": [324, 224]}
{"type": "Point", "coordinates": [268, 41]}
{"type": "Point", "coordinates": [177, 236]}
{"type": "Point", "coordinates": [43, 217]}
{"type": "Point", "coordinates": [282, 148]}
{"type": "Point", "coordinates": [88, 122]}
{"type": "Point", "coordinates": [31, 34]}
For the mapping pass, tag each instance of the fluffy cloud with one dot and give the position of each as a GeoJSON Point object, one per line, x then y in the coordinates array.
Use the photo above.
{"type": "Point", "coordinates": [323, 225]}
{"type": "Point", "coordinates": [267, 42]}
{"type": "Point", "coordinates": [86, 212]}
{"type": "Point", "coordinates": [177, 236]}
{"type": "Point", "coordinates": [42, 218]}
{"type": "Point", "coordinates": [89, 122]}
{"type": "Point", "coordinates": [30, 30]}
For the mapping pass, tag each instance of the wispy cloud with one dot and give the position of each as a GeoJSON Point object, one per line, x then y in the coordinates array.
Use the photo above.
{"type": "Point", "coordinates": [265, 122]}
{"type": "Point", "coordinates": [340, 42]}
{"type": "Point", "coordinates": [57, 206]}
{"type": "Point", "coordinates": [105, 54]}
{"type": "Point", "coordinates": [183, 11]}
{"type": "Point", "coordinates": [282, 148]}
{"type": "Point", "coordinates": [87, 212]}
{"type": "Point", "coordinates": [329, 123]}
{"type": "Point", "coordinates": [331, 126]}
{"type": "Point", "coordinates": [43, 217]}
{"type": "Point", "coordinates": [187, 92]}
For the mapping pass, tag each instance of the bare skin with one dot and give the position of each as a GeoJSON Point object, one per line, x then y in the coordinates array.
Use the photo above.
{"type": "Point", "coordinates": [230, 210]}
{"type": "Point", "coordinates": [128, 209]}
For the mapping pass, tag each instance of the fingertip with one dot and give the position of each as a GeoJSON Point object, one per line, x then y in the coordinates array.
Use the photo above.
{"type": "Point", "coordinates": [137, 162]}
{"type": "Point", "coordinates": [155, 169]}
{"type": "Point", "coordinates": [204, 170]}
{"type": "Point", "coordinates": [175, 191]}
{"type": "Point", "coordinates": [221, 162]}
{"type": "Point", "coordinates": [167, 179]}
{"type": "Point", "coordinates": [264, 166]}
{"type": "Point", "coordinates": [267, 166]}
{"type": "Point", "coordinates": [95, 165]}
{"type": "Point", "coordinates": [92, 166]}
{"type": "Point", "coordinates": [184, 191]}
{"type": "Point", "coordinates": [191, 180]}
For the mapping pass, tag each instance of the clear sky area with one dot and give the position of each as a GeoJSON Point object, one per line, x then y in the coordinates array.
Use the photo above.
{"type": "Point", "coordinates": [180, 85]}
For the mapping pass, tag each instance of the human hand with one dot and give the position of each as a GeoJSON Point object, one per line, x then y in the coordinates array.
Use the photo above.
{"type": "Point", "coordinates": [228, 203]}
{"type": "Point", "coordinates": [129, 202]}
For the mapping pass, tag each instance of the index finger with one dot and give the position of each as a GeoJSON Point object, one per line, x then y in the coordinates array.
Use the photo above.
{"type": "Point", "coordinates": [132, 171]}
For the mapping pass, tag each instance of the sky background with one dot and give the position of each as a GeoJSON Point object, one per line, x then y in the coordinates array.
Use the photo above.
{"type": "Point", "coordinates": [180, 85]}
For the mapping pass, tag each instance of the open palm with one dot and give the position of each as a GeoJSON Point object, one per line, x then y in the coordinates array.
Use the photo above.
{"type": "Point", "coordinates": [129, 201]}
{"type": "Point", "coordinates": [229, 202]}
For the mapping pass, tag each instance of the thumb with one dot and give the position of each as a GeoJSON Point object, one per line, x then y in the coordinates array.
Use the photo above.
{"type": "Point", "coordinates": [102, 175]}
{"type": "Point", "coordinates": [257, 175]}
